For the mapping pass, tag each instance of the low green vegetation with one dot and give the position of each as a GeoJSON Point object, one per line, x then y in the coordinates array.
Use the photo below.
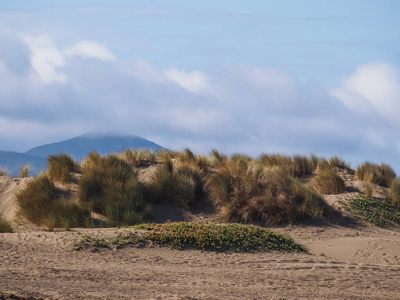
{"type": "Point", "coordinates": [40, 204]}
{"type": "Point", "coordinates": [60, 167]}
{"type": "Point", "coordinates": [5, 226]}
{"type": "Point", "coordinates": [375, 211]}
{"type": "Point", "coordinates": [203, 236]}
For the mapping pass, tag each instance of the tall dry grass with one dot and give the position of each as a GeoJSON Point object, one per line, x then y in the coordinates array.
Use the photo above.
{"type": "Point", "coordinates": [250, 192]}
{"type": "Point", "coordinates": [110, 186]}
{"type": "Point", "coordinates": [137, 158]}
{"type": "Point", "coordinates": [25, 170]}
{"type": "Point", "coordinates": [297, 166]}
{"type": "Point", "coordinates": [60, 167]}
{"type": "Point", "coordinates": [40, 204]}
{"type": "Point", "coordinates": [395, 192]}
{"type": "Point", "coordinates": [327, 181]}
{"type": "Point", "coordinates": [5, 226]}
{"type": "Point", "coordinates": [382, 174]}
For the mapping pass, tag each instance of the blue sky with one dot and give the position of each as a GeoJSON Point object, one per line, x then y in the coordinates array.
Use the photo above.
{"type": "Point", "coordinates": [239, 76]}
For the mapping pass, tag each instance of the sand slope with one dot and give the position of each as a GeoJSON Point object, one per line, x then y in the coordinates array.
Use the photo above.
{"type": "Point", "coordinates": [44, 264]}
{"type": "Point", "coordinates": [347, 261]}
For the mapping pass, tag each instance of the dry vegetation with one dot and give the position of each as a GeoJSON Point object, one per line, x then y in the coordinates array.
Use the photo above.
{"type": "Point", "coordinates": [271, 189]}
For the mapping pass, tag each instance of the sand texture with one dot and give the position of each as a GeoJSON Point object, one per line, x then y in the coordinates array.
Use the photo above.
{"type": "Point", "coordinates": [347, 260]}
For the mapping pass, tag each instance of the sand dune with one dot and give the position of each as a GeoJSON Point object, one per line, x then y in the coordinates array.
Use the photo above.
{"type": "Point", "coordinates": [346, 261]}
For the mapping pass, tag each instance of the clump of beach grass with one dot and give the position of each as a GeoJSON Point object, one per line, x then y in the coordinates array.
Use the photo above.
{"type": "Point", "coordinates": [60, 167]}
{"type": "Point", "coordinates": [40, 204]}
{"type": "Point", "coordinates": [25, 170]}
{"type": "Point", "coordinates": [137, 158]}
{"type": "Point", "coordinates": [297, 166]}
{"type": "Point", "coordinates": [3, 172]}
{"type": "Point", "coordinates": [246, 191]}
{"type": "Point", "coordinates": [382, 174]}
{"type": "Point", "coordinates": [327, 181]}
{"type": "Point", "coordinates": [109, 185]}
{"type": "Point", "coordinates": [5, 226]}
{"type": "Point", "coordinates": [395, 192]}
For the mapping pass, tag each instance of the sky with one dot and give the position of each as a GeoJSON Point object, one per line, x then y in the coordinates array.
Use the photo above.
{"type": "Point", "coordinates": [251, 77]}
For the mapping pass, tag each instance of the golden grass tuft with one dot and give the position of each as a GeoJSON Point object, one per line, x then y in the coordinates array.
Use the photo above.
{"type": "Point", "coordinates": [39, 204]}
{"type": "Point", "coordinates": [5, 226]}
{"type": "Point", "coordinates": [395, 192]}
{"type": "Point", "coordinates": [60, 167]}
{"type": "Point", "coordinates": [110, 186]}
{"type": "Point", "coordinates": [382, 174]}
{"type": "Point", "coordinates": [25, 170]}
{"type": "Point", "coordinates": [327, 181]}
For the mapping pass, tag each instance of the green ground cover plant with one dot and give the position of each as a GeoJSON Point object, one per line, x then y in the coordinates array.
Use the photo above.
{"type": "Point", "coordinates": [202, 236]}
{"type": "Point", "coordinates": [5, 226]}
{"type": "Point", "coordinates": [40, 204]}
{"type": "Point", "coordinates": [378, 212]}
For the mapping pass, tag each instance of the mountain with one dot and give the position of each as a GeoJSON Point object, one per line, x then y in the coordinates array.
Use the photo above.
{"type": "Point", "coordinates": [13, 161]}
{"type": "Point", "coordinates": [103, 143]}
{"type": "Point", "coordinates": [78, 147]}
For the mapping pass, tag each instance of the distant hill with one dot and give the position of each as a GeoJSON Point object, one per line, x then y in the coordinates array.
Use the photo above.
{"type": "Point", "coordinates": [78, 147]}
{"type": "Point", "coordinates": [13, 161]}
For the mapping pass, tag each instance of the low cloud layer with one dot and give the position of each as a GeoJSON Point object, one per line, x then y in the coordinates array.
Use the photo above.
{"type": "Point", "coordinates": [51, 93]}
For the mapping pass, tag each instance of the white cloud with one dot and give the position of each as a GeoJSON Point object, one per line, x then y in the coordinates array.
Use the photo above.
{"type": "Point", "coordinates": [373, 85]}
{"type": "Point", "coordinates": [193, 81]}
{"type": "Point", "coordinates": [46, 58]}
{"type": "Point", "coordinates": [91, 49]}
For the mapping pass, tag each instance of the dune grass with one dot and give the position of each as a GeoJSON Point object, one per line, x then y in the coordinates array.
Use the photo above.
{"type": "Point", "coordinates": [39, 204]}
{"type": "Point", "coordinates": [326, 181]}
{"type": "Point", "coordinates": [395, 192]}
{"type": "Point", "coordinates": [297, 166]}
{"type": "Point", "coordinates": [25, 171]}
{"type": "Point", "coordinates": [60, 167]}
{"type": "Point", "coordinates": [248, 192]}
{"type": "Point", "coordinates": [110, 186]}
{"type": "Point", "coordinates": [137, 158]}
{"type": "Point", "coordinates": [5, 226]}
{"type": "Point", "coordinates": [3, 172]}
{"type": "Point", "coordinates": [382, 174]}
{"type": "Point", "coordinates": [338, 162]}
{"type": "Point", "coordinates": [202, 236]}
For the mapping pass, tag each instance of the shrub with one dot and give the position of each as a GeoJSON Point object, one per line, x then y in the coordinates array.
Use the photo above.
{"type": "Point", "coordinates": [60, 167]}
{"type": "Point", "coordinates": [25, 171]}
{"type": "Point", "coordinates": [379, 174]}
{"type": "Point", "coordinates": [395, 192]}
{"type": "Point", "coordinates": [39, 204]}
{"type": "Point", "coordinates": [327, 181]}
{"type": "Point", "coordinates": [249, 193]}
{"type": "Point", "coordinates": [5, 226]}
{"type": "Point", "coordinates": [110, 186]}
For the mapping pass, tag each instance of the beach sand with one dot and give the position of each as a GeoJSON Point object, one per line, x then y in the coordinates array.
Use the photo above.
{"type": "Point", "coordinates": [347, 260]}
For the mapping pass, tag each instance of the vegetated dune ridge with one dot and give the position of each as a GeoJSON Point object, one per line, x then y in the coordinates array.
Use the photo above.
{"type": "Point", "coordinates": [347, 260]}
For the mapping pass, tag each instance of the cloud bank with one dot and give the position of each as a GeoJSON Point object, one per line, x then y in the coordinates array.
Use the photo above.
{"type": "Point", "coordinates": [50, 93]}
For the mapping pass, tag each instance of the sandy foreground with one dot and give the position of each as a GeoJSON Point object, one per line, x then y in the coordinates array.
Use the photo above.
{"type": "Point", "coordinates": [347, 261]}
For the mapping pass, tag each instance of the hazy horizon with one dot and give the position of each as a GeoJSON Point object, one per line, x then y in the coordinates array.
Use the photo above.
{"type": "Point", "coordinates": [241, 77]}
